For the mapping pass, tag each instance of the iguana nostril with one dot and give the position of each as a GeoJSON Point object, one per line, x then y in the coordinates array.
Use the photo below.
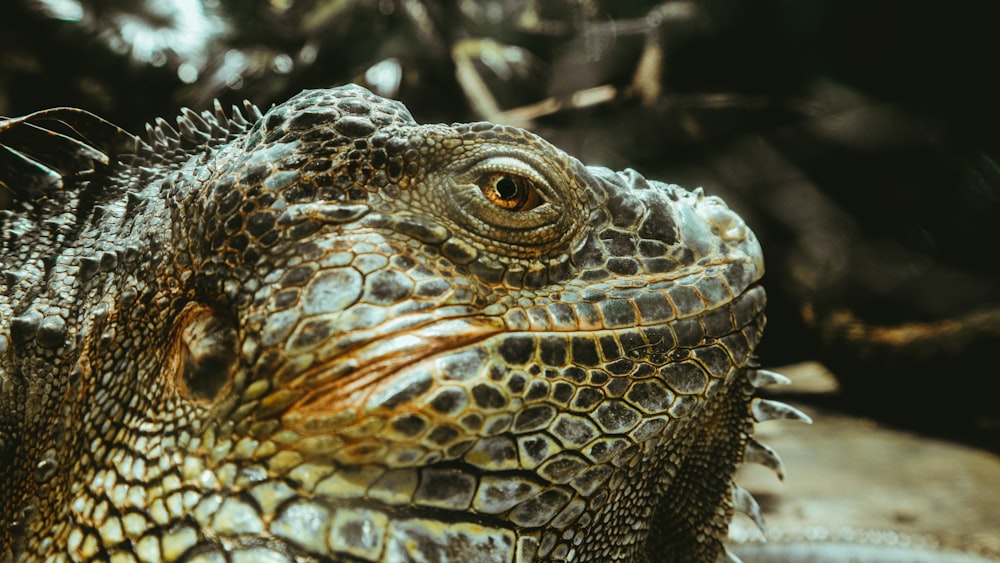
{"type": "Point", "coordinates": [722, 219]}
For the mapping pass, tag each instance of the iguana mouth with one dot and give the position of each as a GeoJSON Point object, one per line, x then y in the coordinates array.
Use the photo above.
{"type": "Point", "coordinates": [347, 381]}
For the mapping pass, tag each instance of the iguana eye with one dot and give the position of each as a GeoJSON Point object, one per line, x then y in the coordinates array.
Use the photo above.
{"type": "Point", "coordinates": [510, 191]}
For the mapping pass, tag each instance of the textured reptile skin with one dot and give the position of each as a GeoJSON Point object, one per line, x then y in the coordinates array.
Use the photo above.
{"type": "Point", "coordinates": [329, 333]}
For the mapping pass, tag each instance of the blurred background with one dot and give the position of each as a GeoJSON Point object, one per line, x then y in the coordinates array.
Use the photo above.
{"type": "Point", "coordinates": [860, 140]}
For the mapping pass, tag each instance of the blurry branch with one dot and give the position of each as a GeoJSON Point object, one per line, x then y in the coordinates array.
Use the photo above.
{"type": "Point", "coordinates": [475, 89]}
{"type": "Point", "coordinates": [503, 60]}
{"type": "Point", "coordinates": [524, 115]}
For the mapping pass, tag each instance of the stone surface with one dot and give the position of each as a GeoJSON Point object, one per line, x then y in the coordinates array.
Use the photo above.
{"type": "Point", "coordinates": [878, 493]}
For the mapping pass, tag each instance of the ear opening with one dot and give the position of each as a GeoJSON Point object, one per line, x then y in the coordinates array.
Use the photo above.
{"type": "Point", "coordinates": [204, 353]}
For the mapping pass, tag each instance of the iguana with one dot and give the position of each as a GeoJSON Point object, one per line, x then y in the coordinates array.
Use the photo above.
{"type": "Point", "coordinates": [328, 333]}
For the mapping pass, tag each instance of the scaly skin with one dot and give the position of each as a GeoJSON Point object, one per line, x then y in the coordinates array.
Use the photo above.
{"type": "Point", "coordinates": [333, 334]}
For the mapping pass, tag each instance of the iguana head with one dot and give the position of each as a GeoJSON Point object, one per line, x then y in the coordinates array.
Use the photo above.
{"type": "Point", "coordinates": [331, 332]}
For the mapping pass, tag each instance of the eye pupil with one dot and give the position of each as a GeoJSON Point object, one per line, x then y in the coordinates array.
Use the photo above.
{"type": "Point", "coordinates": [509, 191]}
{"type": "Point", "coordinates": [506, 188]}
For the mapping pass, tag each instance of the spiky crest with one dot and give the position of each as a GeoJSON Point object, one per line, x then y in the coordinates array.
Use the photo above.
{"type": "Point", "coordinates": [50, 150]}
